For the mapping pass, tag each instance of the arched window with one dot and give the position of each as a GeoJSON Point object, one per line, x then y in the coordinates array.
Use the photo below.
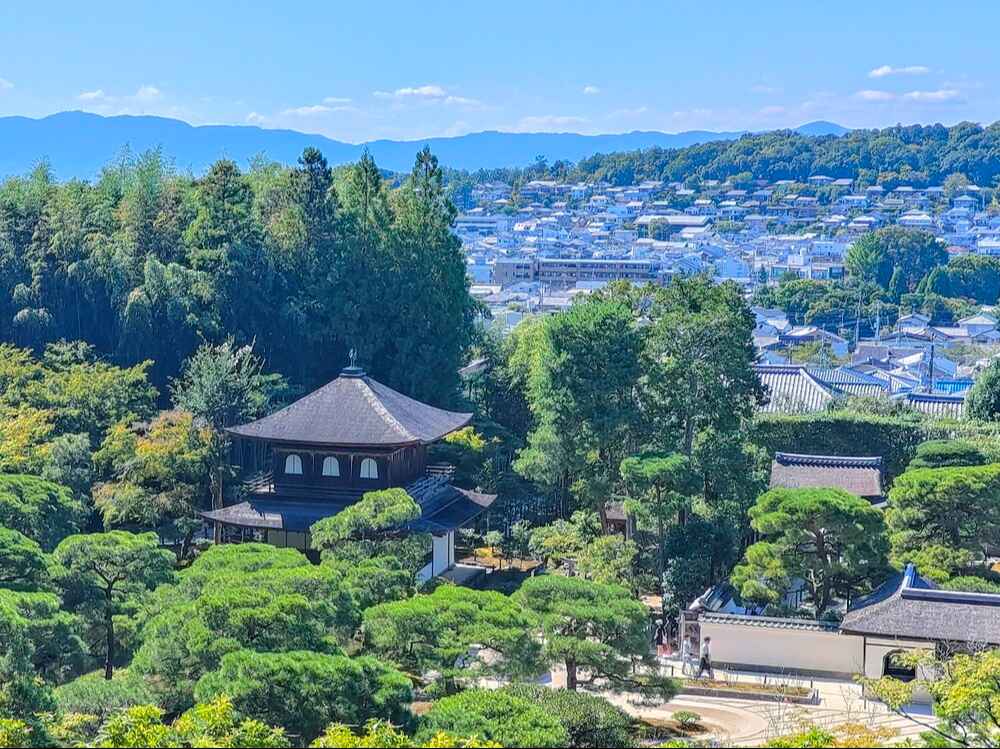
{"type": "Point", "coordinates": [331, 466]}
{"type": "Point", "coordinates": [293, 465]}
{"type": "Point", "coordinates": [900, 671]}
{"type": "Point", "coordinates": [369, 469]}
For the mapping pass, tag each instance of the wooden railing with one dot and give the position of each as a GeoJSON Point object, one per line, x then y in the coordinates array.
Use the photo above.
{"type": "Point", "coordinates": [440, 469]}
{"type": "Point", "coordinates": [263, 483]}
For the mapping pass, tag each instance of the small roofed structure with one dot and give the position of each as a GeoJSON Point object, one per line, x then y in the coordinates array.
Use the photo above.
{"type": "Point", "coordinates": [909, 606]}
{"type": "Point", "coordinates": [936, 404]}
{"type": "Point", "coordinates": [860, 476]}
{"type": "Point", "coordinates": [319, 455]}
{"type": "Point", "coordinates": [906, 613]}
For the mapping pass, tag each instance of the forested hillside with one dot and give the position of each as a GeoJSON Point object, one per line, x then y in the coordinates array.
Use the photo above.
{"type": "Point", "coordinates": [914, 154]}
{"type": "Point", "coordinates": [145, 264]}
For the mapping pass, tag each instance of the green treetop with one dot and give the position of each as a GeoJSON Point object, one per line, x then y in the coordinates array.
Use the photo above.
{"type": "Point", "coordinates": [983, 401]}
{"type": "Point", "coordinates": [438, 632]}
{"type": "Point", "coordinates": [596, 632]}
{"type": "Point", "coordinates": [659, 487]}
{"type": "Point", "coordinates": [957, 507]}
{"type": "Point", "coordinates": [101, 571]}
{"type": "Point", "coordinates": [831, 539]}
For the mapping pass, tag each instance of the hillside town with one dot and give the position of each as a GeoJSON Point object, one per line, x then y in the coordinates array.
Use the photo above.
{"type": "Point", "coordinates": [534, 250]}
{"type": "Point", "coordinates": [415, 382]}
{"type": "Point", "coordinates": [570, 236]}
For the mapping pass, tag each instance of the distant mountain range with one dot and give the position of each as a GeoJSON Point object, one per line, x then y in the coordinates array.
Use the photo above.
{"type": "Point", "coordinates": [78, 144]}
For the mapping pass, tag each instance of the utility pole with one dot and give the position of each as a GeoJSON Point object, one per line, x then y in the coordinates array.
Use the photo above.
{"type": "Point", "coordinates": [857, 322]}
{"type": "Point", "coordinates": [930, 388]}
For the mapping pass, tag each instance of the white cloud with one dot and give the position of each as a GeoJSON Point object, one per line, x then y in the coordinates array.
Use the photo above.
{"type": "Point", "coordinates": [333, 100]}
{"type": "Point", "coordinates": [884, 70]}
{"type": "Point", "coordinates": [944, 94]}
{"type": "Point", "coordinates": [428, 91]}
{"type": "Point", "coordinates": [95, 95]}
{"type": "Point", "coordinates": [875, 95]}
{"type": "Point", "coordinates": [591, 90]}
{"type": "Point", "coordinates": [147, 93]}
{"type": "Point", "coordinates": [5, 85]}
{"type": "Point", "coordinates": [762, 88]}
{"type": "Point", "coordinates": [307, 111]}
{"type": "Point", "coordinates": [629, 112]}
{"type": "Point", "coordinates": [257, 119]}
{"type": "Point", "coordinates": [548, 122]}
{"type": "Point", "coordinates": [462, 101]}
{"type": "Point", "coordinates": [697, 113]}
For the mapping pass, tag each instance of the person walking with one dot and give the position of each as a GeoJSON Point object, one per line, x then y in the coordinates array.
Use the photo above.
{"type": "Point", "coordinates": [705, 664]}
{"type": "Point", "coordinates": [660, 638]}
{"type": "Point", "coordinates": [687, 667]}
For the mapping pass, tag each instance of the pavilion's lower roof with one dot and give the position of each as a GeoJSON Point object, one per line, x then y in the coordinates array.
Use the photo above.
{"type": "Point", "coordinates": [444, 508]}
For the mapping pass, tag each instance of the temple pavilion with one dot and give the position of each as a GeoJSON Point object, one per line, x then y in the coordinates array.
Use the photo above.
{"type": "Point", "coordinates": [320, 454]}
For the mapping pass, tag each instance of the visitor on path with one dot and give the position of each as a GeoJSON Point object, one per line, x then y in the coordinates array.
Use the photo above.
{"type": "Point", "coordinates": [706, 659]}
{"type": "Point", "coordinates": [687, 656]}
{"type": "Point", "coordinates": [660, 638]}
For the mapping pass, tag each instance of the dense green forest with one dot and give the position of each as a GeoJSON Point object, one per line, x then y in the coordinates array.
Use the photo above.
{"type": "Point", "coordinates": [146, 264]}
{"type": "Point", "coordinates": [917, 155]}
{"type": "Point", "coordinates": [119, 629]}
{"type": "Point", "coordinates": [146, 312]}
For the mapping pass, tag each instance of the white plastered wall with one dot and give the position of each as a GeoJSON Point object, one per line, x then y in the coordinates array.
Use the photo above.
{"type": "Point", "coordinates": [785, 650]}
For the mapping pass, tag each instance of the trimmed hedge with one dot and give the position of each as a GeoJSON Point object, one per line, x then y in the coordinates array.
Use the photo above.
{"type": "Point", "coordinates": [92, 694]}
{"type": "Point", "coordinates": [894, 438]}
{"type": "Point", "coordinates": [947, 453]}
{"type": "Point", "coordinates": [494, 715]}
{"type": "Point", "coordinates": [590, 720]}
{"type": "Point", "coordinates": [303, 691]}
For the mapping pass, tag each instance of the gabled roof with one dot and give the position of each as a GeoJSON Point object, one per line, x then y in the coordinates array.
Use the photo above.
{"type": "Point", "coordinates": [910, 606]}
{"type": "Point", "coordinates": [860, 476]}
{"type": "Point", "coordinates": [850, 380]}
{"type": "Point", "coordinates": [791, 389]}
{"type": "Point", "coordinates": [934, 404]}
{"type": "Point", "coordinates": [980, 319]}
{"type": "Point", "coordinates": [355, 410]}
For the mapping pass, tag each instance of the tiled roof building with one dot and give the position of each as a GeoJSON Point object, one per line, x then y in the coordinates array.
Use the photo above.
{"type": "Point", "coordinates": [860, 476]}
{"type": "Point", "coordinates": [908, 605]}
{"type": "Point", "coordinates": [321, 454]}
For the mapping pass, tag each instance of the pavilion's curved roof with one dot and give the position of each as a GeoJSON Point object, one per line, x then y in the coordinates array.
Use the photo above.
{"type": "Point", "coordinates": [355, 410]}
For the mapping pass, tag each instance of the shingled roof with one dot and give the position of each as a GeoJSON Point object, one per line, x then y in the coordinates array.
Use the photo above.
{"type": "Point", "coordinates": [355, 410]}
{"type": "Point", "coordinates": [910, 606]}
{"type": "Point", "coordinates": [443, 507]}
{"type": "Point", "coordinates": [860, 476]}
{"type": "Point", "coordinates": [797, 388]}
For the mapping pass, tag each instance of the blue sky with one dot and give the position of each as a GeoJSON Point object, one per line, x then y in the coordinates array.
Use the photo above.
{"type": "Point", "coordinates": [359, 71]}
